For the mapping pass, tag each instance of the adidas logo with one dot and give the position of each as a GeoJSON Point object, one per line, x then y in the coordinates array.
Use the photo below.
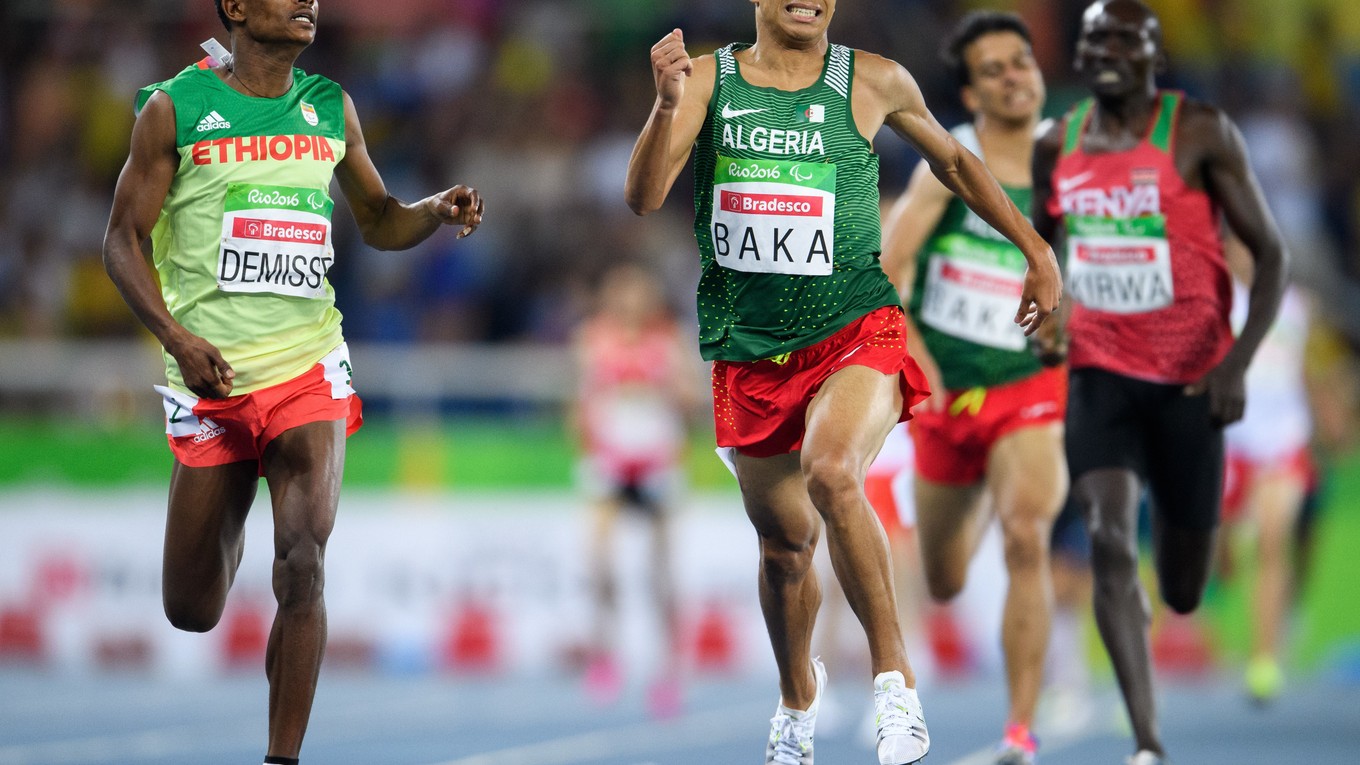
{"type": "Point", "coordinates": [208, 430]}
{"type": "Point", "coordinates": [213, 121]}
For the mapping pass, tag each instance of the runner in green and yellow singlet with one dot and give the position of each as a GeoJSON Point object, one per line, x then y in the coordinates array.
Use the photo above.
{"type": "Point", "coordinates": [228, 176]}
{"type": "Point", "coordinates": [990, 440]}
{"type": "Point", "coordinates": [811, 369]}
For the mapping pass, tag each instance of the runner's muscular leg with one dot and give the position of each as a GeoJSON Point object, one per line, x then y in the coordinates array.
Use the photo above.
{"type": "Point", "coordinates": [204, 540]}
{"type": "Point", "coordinates": [1278, 498]}
{"type": "Point", "coordinates": [847, 422]}
{"type": "Point", "coordinates": [303, 466]}
{"type": "Point", "coordinates": [949, 524]}
{"type": "Point", "coordinates": [777, 502]}
{"type": "Point", "coordinates": [1109, 499]}
{"type": "Point", "coordinates": [1027, 479]}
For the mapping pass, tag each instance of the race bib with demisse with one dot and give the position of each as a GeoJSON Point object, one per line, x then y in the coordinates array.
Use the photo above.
{"type": "Point", "coordinates": [275, 239]}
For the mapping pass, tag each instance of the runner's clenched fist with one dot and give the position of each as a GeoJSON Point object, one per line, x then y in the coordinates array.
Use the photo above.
{"type": "Point", "coordinates": [670, 67]}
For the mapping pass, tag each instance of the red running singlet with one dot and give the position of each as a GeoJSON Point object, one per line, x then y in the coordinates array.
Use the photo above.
{"type": "Point", "coordinates": [1145, 268]}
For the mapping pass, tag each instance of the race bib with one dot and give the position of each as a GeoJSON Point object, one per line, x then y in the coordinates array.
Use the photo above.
{"type": "Point", "coordinates": [973, 301]}
{"type": "Point", "coordinates": [275, 239]}
{"type": "Point", "coordinates": [774, 217]}
{"type": "Point", "coordinates": [636, 424]}
{"type": "Point", "coordinates": [1119, 265]}
{"type": "Point", "coordinates": [338, 371]}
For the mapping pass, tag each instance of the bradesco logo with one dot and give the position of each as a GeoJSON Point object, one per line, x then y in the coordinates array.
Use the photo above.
{"type": "Point", "coordinates": [1122, 255]}
{"type": "Point", "coordinates": [771, 204]}
{"type": "Point", "coordinates": [279, 231]}
{"type": "Point", "coordinates": [979, 281]}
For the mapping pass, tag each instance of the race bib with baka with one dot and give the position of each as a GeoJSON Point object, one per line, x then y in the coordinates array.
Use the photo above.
{"type": "Point", "coordinates": [1119, 265]}
{"type": "Point", "coordinates": [275, 239]}
{"type": "Point", "coordinates": [774, 217]}
{"type": "Point", "coordinates": [973, 301]}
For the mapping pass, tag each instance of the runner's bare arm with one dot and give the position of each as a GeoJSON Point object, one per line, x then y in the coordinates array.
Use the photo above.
{"type": "Point", "coordinates": [1050, 342]}
{"type": "Point", "coordinates": [909, 223]}
{"type": "Point", "coordinates": [899, 99]}
{"type": "Point", "coordinates": [137, 200]}
{"type": "Point", "coordinates": [387, 223]}
{"type": "Point", "coordinates": [683, 89]}
{"type": "Point", "coordinates": [1228, 178]}
{"type": "Point", "coordinates": [1045, 159]}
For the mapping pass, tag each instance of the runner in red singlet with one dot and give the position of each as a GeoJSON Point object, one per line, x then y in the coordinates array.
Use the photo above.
{"type": "Point", "coordinates": [1139, 179]}
{"type": "Point", "coordinates": [636, 388]}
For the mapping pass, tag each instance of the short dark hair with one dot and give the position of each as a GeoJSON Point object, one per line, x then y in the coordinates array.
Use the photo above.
{"type": "Point", "coordinates": [968, 30]}
{"type": "Point", "coordinates": [221, 14]}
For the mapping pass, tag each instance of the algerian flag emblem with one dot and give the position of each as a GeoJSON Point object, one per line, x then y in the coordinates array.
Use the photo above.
{"type": "Point", "coordinates": [309, 113]}
{"type": "Point", "coordinates": [814, 113]}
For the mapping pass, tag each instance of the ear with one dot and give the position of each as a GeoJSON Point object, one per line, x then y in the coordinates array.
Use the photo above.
{"type": "Point", "coordinates": [235, 10]}
{"type": "Point", "coordinates": [971, 102]}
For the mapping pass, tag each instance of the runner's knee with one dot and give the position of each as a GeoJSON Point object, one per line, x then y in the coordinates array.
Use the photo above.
{"type": "Point", "coordinates": [833, 481]}
{"type": "Point", "coordinates": [782, 560]}
{"type": "Point", "coordinates": [944, 581]}
{"type": "Point", "coordinates": [1026, 542]}
{"type": "Point", "coordinates": [1113, 553]}
{"type": "Point", "coordinates": [299, 576]}
{"type": "Point", "coordinates": [1181, 596]}
{"type": "Point", "coordinates": [190, 613]}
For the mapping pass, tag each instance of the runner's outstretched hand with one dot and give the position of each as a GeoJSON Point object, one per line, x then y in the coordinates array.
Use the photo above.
{"type": "Point", "coordinates": [1042, 292]}
{"type": "Point", "coordinates": [670, 67]}
{"type": "Point", "coordinates": [460, 205]}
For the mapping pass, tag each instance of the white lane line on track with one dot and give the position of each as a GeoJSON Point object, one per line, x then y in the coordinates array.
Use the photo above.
{"type": "Point", "coordinates": [1053, 742]}
{"type": "Point", "coordinates": [131, 747]}
{"type": "Point", "coordinates": [648, 738]}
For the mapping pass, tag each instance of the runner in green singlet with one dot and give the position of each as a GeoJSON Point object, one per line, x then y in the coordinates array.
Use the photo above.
{"type": "Point", "coordinates": [990, 440]}
{"type": "Point", "coordinates": [228, 175]}
{"type": "Point", "coordinates": [806, 333]}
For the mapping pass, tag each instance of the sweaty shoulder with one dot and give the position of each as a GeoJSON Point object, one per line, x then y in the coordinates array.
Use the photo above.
{"type": "Point", "coordinates": [1202, 125]}
{"type": "Point", "coordinates": [1048, 136]}
{"type": "Point", "coordinates": [888, 81]}
{"type": "Point", "coordinates": [700, 83]}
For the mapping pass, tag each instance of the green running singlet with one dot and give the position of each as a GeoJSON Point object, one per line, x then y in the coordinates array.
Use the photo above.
{"type": "Point", "coordinates": [786, 214]}
{"type": "Point", "coordinates": [968, 283]}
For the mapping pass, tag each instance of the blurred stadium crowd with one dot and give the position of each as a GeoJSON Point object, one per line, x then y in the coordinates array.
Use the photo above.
{"type": "Point", "coordinates": [537, 103]}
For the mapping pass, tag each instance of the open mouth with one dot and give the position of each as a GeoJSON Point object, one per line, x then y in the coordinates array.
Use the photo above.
{"type": "Point", "coordinates": [304, 16]}
{"type": "Point", "coordinates": [803, 12]}
{"type": "Point", "coordinates": [1107, 77]}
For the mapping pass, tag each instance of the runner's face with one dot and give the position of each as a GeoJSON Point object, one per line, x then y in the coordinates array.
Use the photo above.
{"type": "Point", "coordinates": [800, 20]}
{"type": "Point", "coordinates": [1005, 80]}
{"type": "Point", "coordinates": [281, 21]}
{"type": "Point", "coordinates": [1118, 50]}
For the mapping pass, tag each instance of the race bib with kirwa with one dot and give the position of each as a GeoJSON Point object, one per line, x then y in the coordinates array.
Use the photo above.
{"type": "Point", "coordinates": [774, 217]}
{"type": "Point", "coordinates": [1119, 265]}
{"type": "Point", "coordinates": [973, 301]}
{"type": "Point", "coordinates": [275, 239]}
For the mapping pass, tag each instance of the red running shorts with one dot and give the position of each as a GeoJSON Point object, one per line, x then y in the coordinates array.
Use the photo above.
{"type": "Point", "coordinates": [760, 407]}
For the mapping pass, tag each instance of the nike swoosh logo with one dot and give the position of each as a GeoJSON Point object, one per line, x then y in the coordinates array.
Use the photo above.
{"type": "Point", "coordinates": [728, 112]}
{"type": "Point", "coordinates": [1067, 184]}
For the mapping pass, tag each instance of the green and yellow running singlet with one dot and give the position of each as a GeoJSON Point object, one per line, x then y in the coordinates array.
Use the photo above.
{"type": "Point", "coordinates": [968, 283]}
{"type": "Point", "coordinates": [243, 242]}
{"type": "Point", "coordinates": [785, 213]}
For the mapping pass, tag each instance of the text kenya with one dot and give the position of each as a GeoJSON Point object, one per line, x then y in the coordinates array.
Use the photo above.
{"type": "Point", "coordinates": [258, 147]}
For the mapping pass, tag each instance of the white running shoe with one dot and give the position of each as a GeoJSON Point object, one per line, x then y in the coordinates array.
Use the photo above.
{"type": "Point", "coordinates": [902, 735]}
{"type": "Point", "coordinates": [791, 730]}
{"type": "Point", "coordinates": [1145, 757]}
